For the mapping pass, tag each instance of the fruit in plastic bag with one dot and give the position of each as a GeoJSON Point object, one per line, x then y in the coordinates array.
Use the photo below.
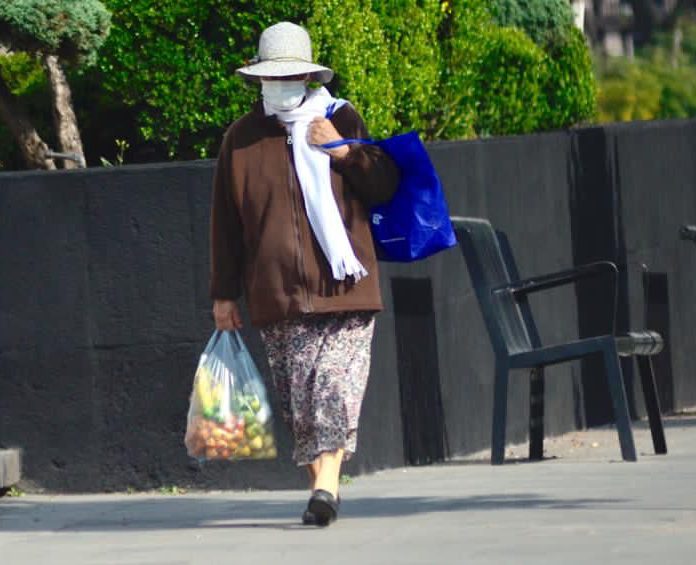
{"type": "Point", "coordinates": [229, 414]}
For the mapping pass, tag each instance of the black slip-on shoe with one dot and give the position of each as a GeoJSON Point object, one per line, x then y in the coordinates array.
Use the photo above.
{"type": "Point", "coordinates": [323, 506]}
{"type": "Point", "coordinates": [308, 517]}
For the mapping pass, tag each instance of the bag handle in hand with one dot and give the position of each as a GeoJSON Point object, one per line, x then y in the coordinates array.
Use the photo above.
{"type": "Point", "coordinates": [212, 342]}
{"type": "Point", "coordinates": [349, 141]}
{"type": "Point", "coordinates": [233, 338]}
{"type": "Point", "coordinates": [339, 142]}
{"type": "Point", "coordinates": [236, 338]}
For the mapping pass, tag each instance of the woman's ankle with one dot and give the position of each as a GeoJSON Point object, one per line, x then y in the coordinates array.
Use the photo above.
{"type": "Point", "coordinates": [312, 470]}
{"type": "Point", "coordinates": [328, 472]}
{"type": "Point", "coordinates": [331, 489]}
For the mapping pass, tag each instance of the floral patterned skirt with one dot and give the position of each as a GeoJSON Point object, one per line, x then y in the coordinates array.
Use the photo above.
{"type": "Point", "coordinates": [320, 365]}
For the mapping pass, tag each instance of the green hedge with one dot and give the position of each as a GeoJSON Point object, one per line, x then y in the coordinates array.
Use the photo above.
{"type": "Point", "coordinates": [540, 19]}
{"type": "Point", "coordinates": [508, 83]}
{"type": "Point", "coordinates": [499, 81]}
{"type": "Point", "coordinates": [348, 37]}
{"type": "Point", "coordinates": [165, 80]}
{"type": "Point", "coordinates": [569, 87]}
{"type": "Point", "coordinates": [174, 61]}
{"type": "Point", "coordinates": [465, 25]}
{"type": "Point", "coordinates": [442, 68]}
{"type": "Point", "coordinates": [411, 30]}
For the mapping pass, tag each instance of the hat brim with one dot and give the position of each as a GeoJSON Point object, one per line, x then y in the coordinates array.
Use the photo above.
{"type": "Point", "coordinates": [284, 69]}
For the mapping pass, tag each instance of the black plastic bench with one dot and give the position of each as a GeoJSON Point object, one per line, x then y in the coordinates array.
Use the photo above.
{"type": "Point", "coordinates": [502, 297]}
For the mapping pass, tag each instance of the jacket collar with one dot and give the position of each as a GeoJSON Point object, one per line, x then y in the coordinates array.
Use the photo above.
{"type": "Point", "coordinates": [270, 122]}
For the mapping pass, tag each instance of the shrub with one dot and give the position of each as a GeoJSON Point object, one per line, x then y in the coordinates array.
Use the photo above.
{"type": "Point", "coordinates": [677, 75]}
{"type": "Point", "coordinates": [678, 94]}
{"type": "Point", "coordinates": [569, 87]}
{"type": "Point", "coordinates": [629, 91]}
{"type": "Point", "coordinates": [655, 85]}
{"type": "Point", "coordinates": [464, 29]}
{"type": "Point", "coordinates": [508, 83]}
{"type": "Point", "coordinates": [540, 19]}
{"type": "Point", "coordinates": [492, 77]}
{"type": "Point", "coordinates": [174, 62]}
{"type": "Point", "coordinates": [410, 28]}
{"type": "Point", "coordinates": [347, 36]}
{"type": "Point", "coordinates": [645, 90]}
{"type": "Point", "coordinates": [443, 68]}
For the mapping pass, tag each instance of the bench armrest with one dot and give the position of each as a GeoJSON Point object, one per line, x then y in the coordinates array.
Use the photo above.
{"type": "Point", "coordinates": [535, 284]}
{"type": "Point", "coordinates": [520, 289]}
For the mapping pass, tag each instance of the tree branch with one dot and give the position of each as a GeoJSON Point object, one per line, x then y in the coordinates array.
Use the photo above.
{"type": "Point", "coordinates": [63, 113]}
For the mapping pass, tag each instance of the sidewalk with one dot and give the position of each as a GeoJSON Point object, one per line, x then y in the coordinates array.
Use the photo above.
{"type": "Point", "coordinates": [583, 506]}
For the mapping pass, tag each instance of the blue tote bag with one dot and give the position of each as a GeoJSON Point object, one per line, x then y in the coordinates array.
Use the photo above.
{"type": "Point", "coordinates": [415, 223]}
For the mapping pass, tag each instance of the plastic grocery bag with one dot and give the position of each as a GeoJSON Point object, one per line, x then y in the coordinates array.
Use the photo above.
{"type": "Point", "coordinates": [229, 415]}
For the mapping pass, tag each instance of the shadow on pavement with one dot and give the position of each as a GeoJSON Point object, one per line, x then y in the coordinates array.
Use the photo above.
{"type": "Point", "coordinates": [189, 512]}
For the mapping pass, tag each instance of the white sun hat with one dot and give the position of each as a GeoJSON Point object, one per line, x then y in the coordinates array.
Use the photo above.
{"type": "Point", "coordinates": [284, 50]}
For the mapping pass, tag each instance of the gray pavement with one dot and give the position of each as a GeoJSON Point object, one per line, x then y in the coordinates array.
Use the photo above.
{"type": "Point", "coordinates": [580, 506]}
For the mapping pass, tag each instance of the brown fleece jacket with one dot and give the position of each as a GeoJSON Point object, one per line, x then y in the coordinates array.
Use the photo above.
{"type": "Point", "coordinates": [262, 244]}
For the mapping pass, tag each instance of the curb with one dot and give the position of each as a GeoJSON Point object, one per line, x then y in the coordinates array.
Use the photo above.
{"type": "Point", "coordinates": [10, 467]}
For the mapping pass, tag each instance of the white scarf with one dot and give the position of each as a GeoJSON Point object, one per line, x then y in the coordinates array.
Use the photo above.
{"type": "Point", "coordinates": [313, 168]}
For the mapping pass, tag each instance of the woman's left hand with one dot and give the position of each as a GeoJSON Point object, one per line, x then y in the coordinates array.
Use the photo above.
{"type": "Point", "coordinates": [322, 131]}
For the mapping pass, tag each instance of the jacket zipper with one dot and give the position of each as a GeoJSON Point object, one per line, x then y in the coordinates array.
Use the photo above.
{"type": "Point", "coordinates": [296, 217]}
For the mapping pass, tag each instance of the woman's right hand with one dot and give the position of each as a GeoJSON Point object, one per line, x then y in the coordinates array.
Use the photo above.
{"type": "Point", "coordinates": [226, 314]}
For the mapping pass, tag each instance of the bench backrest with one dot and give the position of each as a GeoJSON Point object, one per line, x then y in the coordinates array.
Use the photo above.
{"type": "Point", "coordinates": [491, 266]}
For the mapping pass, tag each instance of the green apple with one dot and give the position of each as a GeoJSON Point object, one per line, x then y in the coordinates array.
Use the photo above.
{"type": "Point", "coordinates": [254, 431]}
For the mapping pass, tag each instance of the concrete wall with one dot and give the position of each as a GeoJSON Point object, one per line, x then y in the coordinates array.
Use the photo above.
{"type": "Point", "coordinates": [104, 307]}
{"type": "Point", "coordinates": [655, 176]}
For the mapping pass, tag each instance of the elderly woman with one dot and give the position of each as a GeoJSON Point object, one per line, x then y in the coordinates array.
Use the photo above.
{"type": "Point", "coordinates": [290, 230]}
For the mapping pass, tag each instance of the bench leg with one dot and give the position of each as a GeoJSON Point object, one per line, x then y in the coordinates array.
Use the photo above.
{"type": "Point", "coordinates": [652, 404]}
{"type": "Point", "coordinates": [536, 414]}
{"type": "Point", "coordinates": [618, 399]}
{"type": "Point", "coordinates": [500, 389]}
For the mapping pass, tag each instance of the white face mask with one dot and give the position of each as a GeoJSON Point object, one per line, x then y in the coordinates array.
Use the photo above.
{"type": "Point", "coordinates": [283, 94]}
